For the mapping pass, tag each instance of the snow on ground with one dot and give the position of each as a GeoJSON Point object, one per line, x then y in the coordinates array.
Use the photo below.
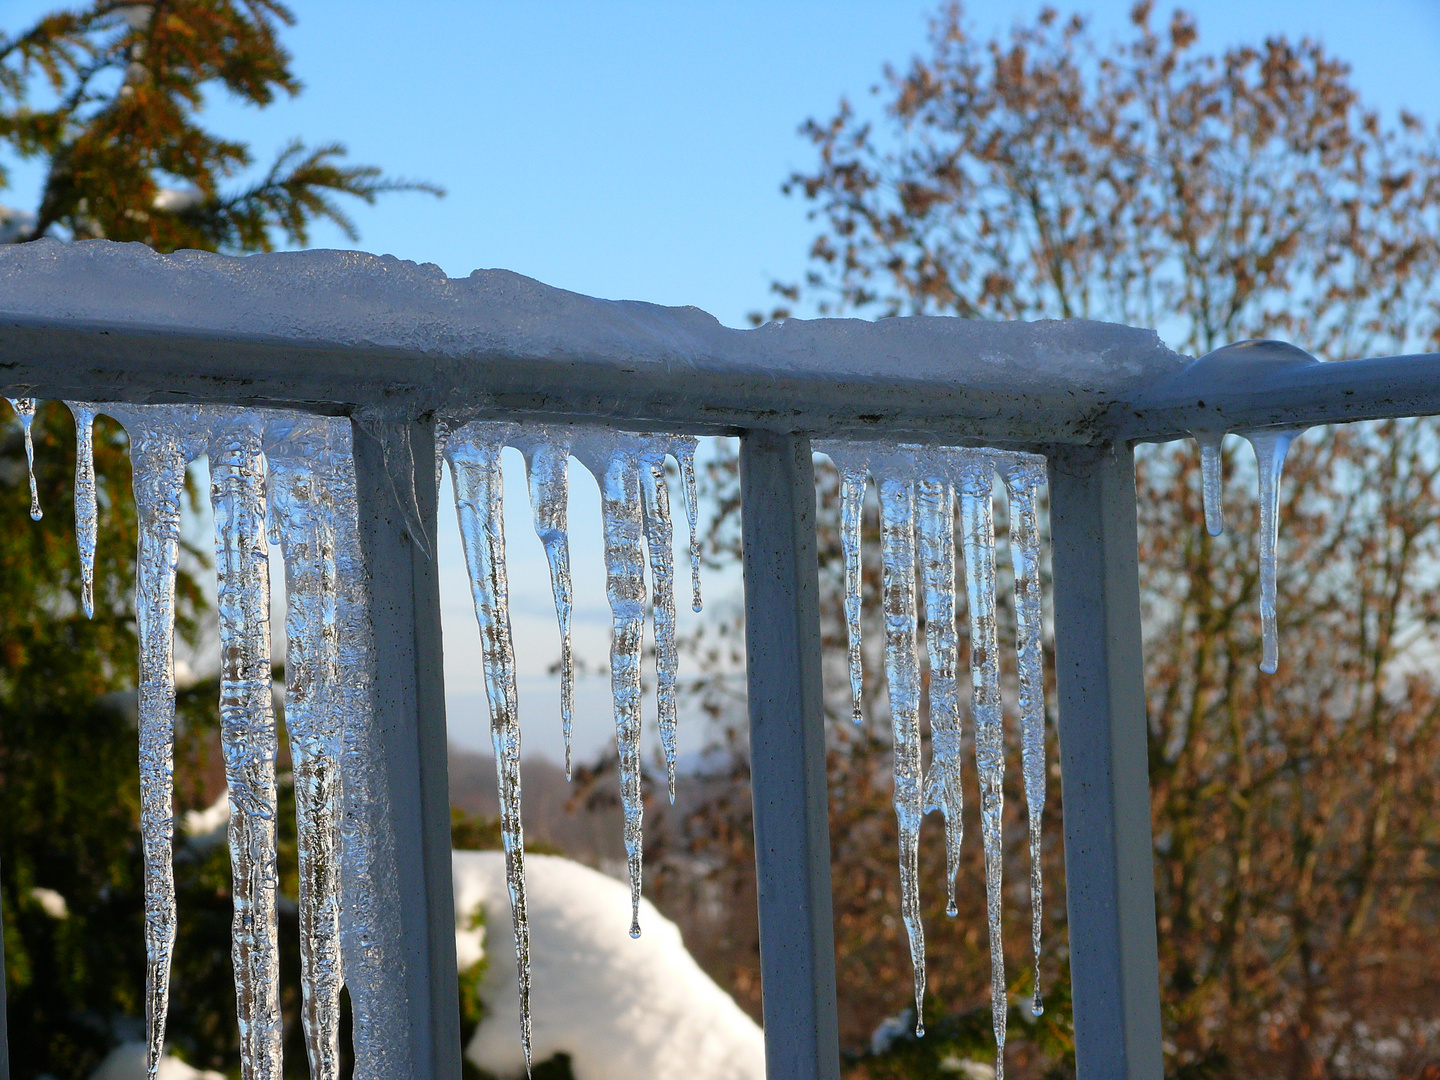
{"type": "Point", "coordinates": [127, 1062]}
{"type": "Point", "coordinates": [620, 1008]}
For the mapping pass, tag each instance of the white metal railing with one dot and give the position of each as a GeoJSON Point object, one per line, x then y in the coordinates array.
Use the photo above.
{"type": "Point", "coordinates": [392, 345]}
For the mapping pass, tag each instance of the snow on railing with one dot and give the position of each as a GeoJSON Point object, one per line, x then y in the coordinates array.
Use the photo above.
{"type": "Point", "coordinates": [498, 361]}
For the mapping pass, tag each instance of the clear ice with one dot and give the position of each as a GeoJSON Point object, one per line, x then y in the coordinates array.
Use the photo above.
{"type": "Point", "coordinates": [1212, 479]}
{"type": "Point", "coordinates": [299, 453]}
{"type": "Point", "coordinates": [547, 468]}
{"type": "Point", "coordinates": [896, 476]}
{"type": "Point", "coordinates": [613, 458]}
{"type": "Point", "coordinates": [25, 411]}
{"type": "Point", "coordinates": [978, 536]}
{"type": "Point", "coordinates": [683, 449]}
{"type": "Point", "coordinates": [1270, 449]}
{"type": "Point", "coordinates": [1023, 476]}
{"type": "Point", "coordinates": [161, 445]}
{"type": "Point", "coordinates": [935, 532]}
{"type": "Point", "coordinates": [853, 465]}
{"type": "Point", "coordinates": [247, 726]}
{"type": "Point", "coordinates": [371, 944]}
{"type": "Point", "coordinates": [85, 513]}
{"type": "Point", "coordinates": [660, 542]}
{"type": "Point", "coordinates": [473, 452]}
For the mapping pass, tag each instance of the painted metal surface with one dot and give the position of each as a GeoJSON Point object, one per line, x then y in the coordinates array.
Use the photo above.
{"type": "Point", "coordinates": [787, 756]}
{"type": "Point", "coordinates": [410, 713]}
{"type": "Point", "coordinates": [1104, 767]}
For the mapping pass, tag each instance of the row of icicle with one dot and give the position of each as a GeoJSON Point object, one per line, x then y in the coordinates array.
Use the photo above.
{"type": "Point", "coordinates": [305, 501]}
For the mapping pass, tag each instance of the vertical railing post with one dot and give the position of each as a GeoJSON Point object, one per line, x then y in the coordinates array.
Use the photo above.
{"type": "Point", "coordinates": [4, 1006]}
{"type": "Point", "coordinates": [395, 463]}
{"type": "Point", "coordinates": [787, 756]}
{"type": "Point", "coordinates": [1104, 767]}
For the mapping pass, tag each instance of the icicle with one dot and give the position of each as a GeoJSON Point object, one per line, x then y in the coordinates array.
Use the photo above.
{"type": "Point", "coordinates": [443, 428]}
{"type": "Point", "coordinates": [902, 672]}
{"type": "Point", "coordinates": [660, 540]}
{"type": "Point", "coordinates": [853, 464]}
{"type": "Point", "coordinates": [613, 459]}
{"type": "Point", "coordinates": [25, 410]}
{"type": "Point", "coordinates": [978, 526]}
{"type": "Point", "coordinates": [547, 466]}
{"type": "Point", "coordinates": [1023, 478]}
{"type": "Point", "coordinates": [158, 455]}
{"type": "Point", "coordinates": [372, 946]}
{"type": "Point", "coordinates": [248, 737]}
{"type": "Point", "coordinates": [1270, 448]}
{"type": "Point", "coordinates": [85, 514]}
{"type": "Point", "coordinates": [302, 511]}
{"type": "Point", "coordinates": [474, 456]}
{"type": "Point", "coordinates": [683, 448]}
{"type": "Point", "coordinates": [1212, 479]}
{"type": "Point", "coordinates": [936, 534]}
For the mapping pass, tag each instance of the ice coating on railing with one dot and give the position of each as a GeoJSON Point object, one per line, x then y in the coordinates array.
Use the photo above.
{"type": "Point", "coordinates": [85, 513]}
{"type": "Point", "coordinates": [895, 473]}
{"type": "Point", "coordinates": [473, 453]}
{"type": "Point", "coordinates": [1212, 479]}
{"type": "Point", "coordinates": [935, 532]}
{"type": "Point", "coordinates": [977, 519]}
{"type": "Point", "coordinates": [371, 945]}
{"type": "Point", "coordinates": [547, 468]}
{"type": "Point", "coordinates": [25, 411]}
{"type": "Point", "coordinates": [301, 504]}
{"type": "Point", "coordinates": [660, 543]}
{"type": "Point", "coordinates": [162, 441]}
{"type": "Point", "coordinates": [1023, 477]}
{"type": "Point", "coordinates": [1270, 448]}
{"type": "Point", "coordinates": [247, 726]}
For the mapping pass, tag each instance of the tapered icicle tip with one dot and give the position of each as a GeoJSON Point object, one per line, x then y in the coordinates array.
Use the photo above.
{"type": "Point", "coordinates": [919, 1027]}
{"type": "Point", "coordinates": [1037, 1006]}
{"type": "Point", "coordinates": [1270, 449]}
{"type": "Point", "coordinates": [25, 410]}
{"type": "Point", "coordinates": [85, 513]}
{"type": "Point", "coordinates": [1212, 479]}
{"type": "Point", "coordinates": [950, 908]}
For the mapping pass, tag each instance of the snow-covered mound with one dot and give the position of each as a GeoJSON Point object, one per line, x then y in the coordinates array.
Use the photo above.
{"type": "Point", "coordinates": [621, 1008]}
{"type": "Point", "coordinates": [127, 1062]}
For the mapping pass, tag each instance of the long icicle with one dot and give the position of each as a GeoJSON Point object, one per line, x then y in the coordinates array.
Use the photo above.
{"type": "Point", "coordinates": [683, 447]}
{"type": "Point", "coordinates": [1270, 449]}
{"type": "Point", "coordinates": [302, 509]}
{"type": "Point", "coordinates": [614, 461]}
{"type": "Point", "coordinates": [158, 458]}
{"type": "Point", "coordinates": [1023, 478]}
{"type": "Point", "coordinates": [660, 540]}
{"type": "Point", "coordinates": [1212, 478]}
{"type": "Point", "coordinates": [248, 737]}
{"type": "Point", "coordinates": [85, 513]}
{"type": "Point", "coordinates": [547, 467]}
{"type": "Point", "coordinates": [475, 467]}
{"type": "Point", "coordinates": [853, 464]}
{"type": "Point", "coordinates": [902, 672]}
{"type": "Point", "coordinates": [978, 527]}
{"type": "Point", "coordinates": [25, 411]}
{"type": "Point", "coordinates": [371, 942]}
{"type": "Point", "coordinates": [935, 532]}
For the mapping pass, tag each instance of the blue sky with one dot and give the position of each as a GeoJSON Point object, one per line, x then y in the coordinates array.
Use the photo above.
{"type": "Point", "coordinates": [635, 150]}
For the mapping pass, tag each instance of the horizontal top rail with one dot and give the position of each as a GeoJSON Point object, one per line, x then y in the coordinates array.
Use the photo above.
{"type": "Point", "coordinates": [340, 332]}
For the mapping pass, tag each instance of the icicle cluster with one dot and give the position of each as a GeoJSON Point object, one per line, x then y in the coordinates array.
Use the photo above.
{"type": "Point", "coordinates": [918, 490]}
{"type": "Point", "coordinates": [348, 891]}
{"type": "Point", "coordinates": [635, 506]}
{"type": "Point", "coordinates": [1270, 446]}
